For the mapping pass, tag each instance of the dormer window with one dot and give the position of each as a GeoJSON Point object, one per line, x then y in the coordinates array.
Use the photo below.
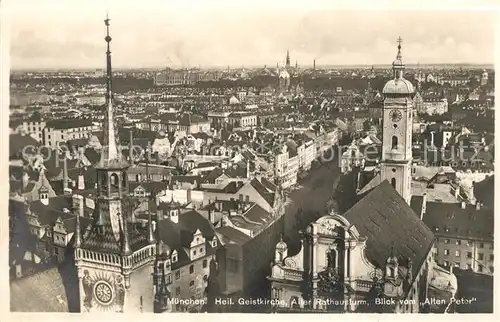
{"type": "Point", "coordinates": [214, 242]}
{"type": "Point", "coordinates": [174, 257]}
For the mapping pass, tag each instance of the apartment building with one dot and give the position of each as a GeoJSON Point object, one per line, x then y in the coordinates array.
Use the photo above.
{"type": "Point", "coordinates": [59, 131]}
{"type": "Point", "coordinates": [464, 235]}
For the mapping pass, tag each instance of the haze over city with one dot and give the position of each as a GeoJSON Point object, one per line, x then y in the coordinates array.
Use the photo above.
{"type": "Point", "coordinates": [156, 36]}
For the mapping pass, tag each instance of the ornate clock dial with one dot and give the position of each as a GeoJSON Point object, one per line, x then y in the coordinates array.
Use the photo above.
{"type": "Point", "coordinates": [103, 292]}
{"type": "Point", "coordinates": [395, 115]}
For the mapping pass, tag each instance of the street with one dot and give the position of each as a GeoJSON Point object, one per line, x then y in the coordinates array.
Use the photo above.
{"type": "Point", "coordinates": [310, 198]}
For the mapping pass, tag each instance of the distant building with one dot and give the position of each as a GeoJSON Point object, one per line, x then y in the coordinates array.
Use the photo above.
{"type": "Point", "coordinates": [59, 131]}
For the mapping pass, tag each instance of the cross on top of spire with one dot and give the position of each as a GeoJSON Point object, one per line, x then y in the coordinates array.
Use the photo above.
{"type": "Point", "coordinates": [400, 40]}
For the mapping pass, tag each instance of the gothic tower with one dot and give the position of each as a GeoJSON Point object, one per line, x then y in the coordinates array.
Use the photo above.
{"type": "Point", "coordinates": [397, 130]}
{"type": "Point", "coordinates": [113, 257]}
{"type": "Point", "coordinates": [287, 64]}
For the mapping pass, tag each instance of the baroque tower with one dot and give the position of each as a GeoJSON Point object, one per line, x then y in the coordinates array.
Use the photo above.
{"type": "Point", "coordinates": [114, 257]}
{"type": "Point", "coordinates": [397, 130]}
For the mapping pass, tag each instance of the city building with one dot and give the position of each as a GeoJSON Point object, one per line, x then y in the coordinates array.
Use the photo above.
{"type": "Point", "coordinates": [379, 249]}
{"type": "Point", "coordinates": [60, 131]}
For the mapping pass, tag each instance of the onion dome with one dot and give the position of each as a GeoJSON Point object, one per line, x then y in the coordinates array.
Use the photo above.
{"type": "Point", "coordinates": [281, 245]}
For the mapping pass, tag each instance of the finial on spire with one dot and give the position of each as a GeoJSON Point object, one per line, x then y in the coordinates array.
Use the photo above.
{"type": "Point", "coordinates": [400, 41]}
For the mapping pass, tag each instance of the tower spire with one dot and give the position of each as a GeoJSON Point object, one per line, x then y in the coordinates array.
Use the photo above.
{"type": "Point", "coordinates": [287, 58]}
{"type": "Point", "coordinates": [398, 65]}
{"type": "Point", "coordinates": [110, 156]}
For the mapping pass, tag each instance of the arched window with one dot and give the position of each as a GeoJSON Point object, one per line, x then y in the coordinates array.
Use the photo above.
{"type": "Point", "coordinates": [391, 271]}
{"type": "Point", "coordinates": [394, 142]}
{"type": "Point", "coordinates": [332, 258]}
{"type": "Point", "coordinates": [124, 179]}
{"type": "Point", "coordinates": [137, 178]}
{"type": "Point", "coordinates": [393, 183]}
{"type": "Point", "coordinates": [114, 180]}
{"type": "Point", "coordinates": [191, 269]}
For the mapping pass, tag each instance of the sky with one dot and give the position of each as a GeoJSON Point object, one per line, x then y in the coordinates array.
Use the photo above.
{"type": "Point", "coordinates": [70, 34]}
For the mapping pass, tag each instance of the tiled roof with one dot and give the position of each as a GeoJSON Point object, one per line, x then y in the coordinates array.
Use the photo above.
{"type": "Point", "coordinates": [388, 222]}
{"type": "Point", "coordinates": [258, 215]}
{"type": "Point", "coordinates": [179, 236]}
{"type": "Point", "coordinates": [18, 142]}
{"type": "Point", "coordinates": [262, 190]}
{"type": "Point", "coordinates": [449, 219]}
{"type": "Point", "coordinates": [232, 235]}
{"type": "Point", "coordinates": [53, 290]}
{"type": "Point", "coordinates": [68, 124]}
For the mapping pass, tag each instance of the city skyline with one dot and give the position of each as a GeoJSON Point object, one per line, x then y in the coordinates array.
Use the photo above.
{"type": "Point", "coordinates": [244, 38]}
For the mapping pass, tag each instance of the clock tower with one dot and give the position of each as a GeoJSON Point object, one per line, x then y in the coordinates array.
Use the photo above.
{"type": "Point", "coordinates": [397, 122]}
{"type": "Point", "coordinates": [114, 257]}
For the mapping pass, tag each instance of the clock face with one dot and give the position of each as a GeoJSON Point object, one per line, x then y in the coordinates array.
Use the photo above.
{"type": "Point", "coordinates": [103, 292]}
{"type": "Point", "coordinates": [395, 115]}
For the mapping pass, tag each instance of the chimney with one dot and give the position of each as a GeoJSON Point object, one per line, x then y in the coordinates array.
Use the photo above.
{"type": "Point", "coordinates": [424, 206]}
{"type": "Point", "coordinates": [65, 174]}
{"type": "Point", "coordinates": [478, 205]}
{"type": "Point", "coordinates": [26, 179]}
{"type": "Point", "coordinates": [462, 204]}
{"type": "Point", "coordinates": [81, 182]}
{"type": "Point", "coordinates": [130, 148]}
{"type": "Point", "coordinates": [210, 216]}
{"type": "Point", "coordinates": [457, 191]}
{"type": "Point", "coordinates": [432, 138]}
{"type": "Point", "coordinates": [248, 169]}
{"type": "Point", "coordinates": [81, 205]}
{"type": "Point", "coordinates": [451, 268]}
{"type": "Point", "coordinates": [151, 236]}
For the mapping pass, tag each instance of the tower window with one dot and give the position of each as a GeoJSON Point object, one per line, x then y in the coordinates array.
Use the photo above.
{"type": "Point", "coordinates": [114, 179]}
{"type": "Point", "coordinates": [393, 183]}
{"type": "Point", "coordinates": [394, 142]}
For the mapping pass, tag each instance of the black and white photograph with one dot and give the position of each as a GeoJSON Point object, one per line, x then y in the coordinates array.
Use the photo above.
{"type": "Point", "coordinates": [169, 157]}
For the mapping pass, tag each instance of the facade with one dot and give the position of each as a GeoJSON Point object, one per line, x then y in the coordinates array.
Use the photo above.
{"type": "Point", "coordinates": [464, 237]}
{"type": "Point", "coordinates": [242, 119]}
{"type": "Point", "coordinates": [352, 158]}
{"type": "Point", "coordinates": [430, 106]}
{"type": "Point", "coordinates": [32, 128]}
{"type": "Point", "coordinates": [397, 130]}
{"type": "Point", "coordinates": [59, 131]}
{"type": "Point", "coordinates": [344, 266]}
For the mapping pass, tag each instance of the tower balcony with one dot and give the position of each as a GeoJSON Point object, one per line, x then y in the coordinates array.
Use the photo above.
{"type": "Point", "coordinates": [395, 155]}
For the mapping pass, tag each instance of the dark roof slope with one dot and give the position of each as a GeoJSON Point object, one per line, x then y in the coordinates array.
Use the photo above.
{"type": "Point", "coordinates": [449, 219]}
{"type": "Point", "coordinates": [388, 222]}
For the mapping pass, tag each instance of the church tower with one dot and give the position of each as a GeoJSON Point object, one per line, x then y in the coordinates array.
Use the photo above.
{"type": "Point", "coordinates": [287, 63]}
{"type": "Point", "coordinates": [397, 130]}
{"type": "Point", "coordinates": [113, 257]}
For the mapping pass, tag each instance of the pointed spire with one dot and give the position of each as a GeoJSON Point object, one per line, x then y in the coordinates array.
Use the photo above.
{"type": "Point", "coordinates": [110, 155]}
{"type": "Point", "coordinates": [151, 238]}
{"type": "Point", "coordinates": [398, 65]}
{"type": "Point", "coordinates": [78, 239]}
{"type": "Point", "coordinates": [287, 58]}
{"type": "Point", "coordinates": [125, 241]}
